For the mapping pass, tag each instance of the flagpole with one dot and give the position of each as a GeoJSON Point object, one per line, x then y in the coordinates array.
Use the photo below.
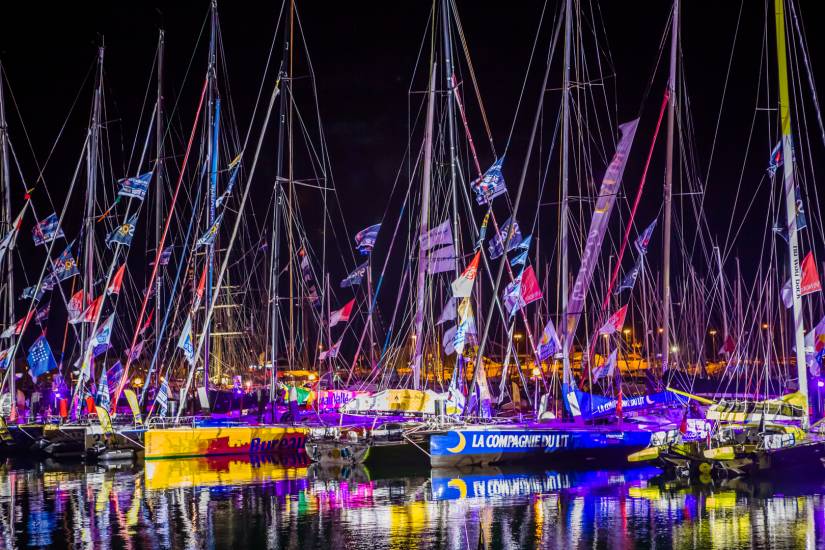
{"type": "Point", "coordinates": [564, 212]}
{"type": "Point", "coordinates": [790, 205]}
{"type": "Point", "coordinates": [668, 188]}
{"type": "Point", "coordinates": [158, 186]}
{"type": "Point", "coordinates": [7, 226]}
{"type": "Point", "coordinates": [213, 124]}
{"type": "Point", "coordinates": [423, 229]}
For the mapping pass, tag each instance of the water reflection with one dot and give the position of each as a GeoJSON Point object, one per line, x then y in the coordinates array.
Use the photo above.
{"type": "Point", "coordinates": [287, 503]}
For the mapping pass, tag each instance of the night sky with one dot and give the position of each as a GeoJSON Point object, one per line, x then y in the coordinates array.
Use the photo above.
{"type": "Point", "coordinates": [364, 54]}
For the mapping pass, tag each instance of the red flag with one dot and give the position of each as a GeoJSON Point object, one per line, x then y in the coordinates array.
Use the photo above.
{"type": "Point", "coordinates": [342, 314]}
{"type": "Point", "coordinates": [75, 306]}
{"type": "Point", "coordinates": [615, 322]}
{"type": "Point", "coordinates": [463, 286]}
{"type": "Point", "coordinates": [810, 278]}
{"type": "Point", "coordinates": [201, 287]}
{"type": "Point", "coordinates": [117, 281]}
{"type": "Point", "coordinates": [530, 291]}
{"type": "Point", "coordinates": [148, 322]}
{"type": "Point", "coordinates": [728, 346]}
{"type": "Point", "coordinates": [92, 311]}
{"type": "Point", "coordinates": [17, 328]}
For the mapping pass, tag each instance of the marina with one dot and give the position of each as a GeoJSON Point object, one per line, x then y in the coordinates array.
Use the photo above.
{"type": "Point", "coordinates": [475, 295]}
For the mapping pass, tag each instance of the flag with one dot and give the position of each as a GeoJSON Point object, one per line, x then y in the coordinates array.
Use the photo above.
{"type": "Point", "coordinates": [776, 158]}
{"type": "Point", "coordinates": [5, 357]}
{"type": "Point", "coordinates": [42, 314]}
{"type": "Point", "coordinates": [124, 233]}
{"type": "Point", "coordinates": [47, 230]}
{"type": "Point", "coordinates": [809, 284]}
{"type": "Point", "coordinates": [491, 184]}
{"type": "Point", "coordinates": [16, 328]}
{"type": "Point", "coordinates": [306, 268]}
{"type": "Point", "coordinates": [40, 358]}
{"type": "Point", "coordinates": [162, 398]}
{"type": "Point", "coordinates": [608, 367]}
{"type": "Point", "coordinates": [549, 343]}
{"type": "Point", "coordinates": [630, 278]}
{"type": "Point", "coordinates": [113, 375]}
{"type": "Point", "coordinates": [463, 286]}
{"type": "Point", "coordinates": [342, 314]}
{"type": "Point", "coordinates": [209, 237]}
{"type": "Point", "coordinates": [810, 277]}
{"type": "Point", "coordinates": [164, 256]}
{"type": "Point", "coordinates": [448, 340]}
{"type": "Point", "coordinates": [524, 290]}
{"type": "Point", "coordinates": [365, 239]}
{"type": "Point", "coordinates": [482, 232]}
{"type": "Point", "coordinates": [8, 240]}
{"type": "Point", "coordinates": [525, 244]}
{"type": "Point", "coordinates": [466, 325]}
{"type": "Point", "coordinates": [185, 341]}
{"type": "Point", "coordinates": [801, 219]}
{"type": "Point", "coordinates": [441, 260]}
{"type": "Point", "coordinates": [356, 276]}
{"type": "Point", "coordinates": [815, 348]}
{"type": "Point", "coordinates": [117, 281]}
{"type": "Point", "coordinates": [643, 240]}
{"type": "Point", "coordinates": [330, 353]}
{"type": "Point", "coordinates": [75, 306]}
{"type": "Point", "coordinates": [90, 313]}
{"type": "Point", "coordinates": [728, 345]}
{"type": "Point", "coordinates": [64, 266]}
{"type": "Point", "coordinates": [448, 313]}
{"type": "Point", "coordinates": [199, 291]}
{"type": "Point", "coordinates": [147, 323]}
{"type": "Point", "coordinates": [102, 396]}
{"type": "Point", "coordinates": [439, 235]}
{"type": "Point", "coordinates": [29, 293]}
{"type": "Point", "coordinates": [615, 322]}
{"type": "Point", "coordinates": [509, 230]}
{"type": "Point", "coordinates": [135, 187]}
{"type": "Point", "coordinates": [100, 342]}
{"type": "Point", "coordinates": [135, 352]}
{"type": "Point", "coordinates": [520, 258]}
{"type": "Point", "coordinates": [235, 167]}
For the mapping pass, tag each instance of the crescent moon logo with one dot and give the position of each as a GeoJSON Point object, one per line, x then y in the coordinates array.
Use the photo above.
{"type": "Point", "coordinates": [462, 442]}
{"type": "Point", "coordinates": [648, 400]}
{"type": "Point", "coordinates": [459, 485]}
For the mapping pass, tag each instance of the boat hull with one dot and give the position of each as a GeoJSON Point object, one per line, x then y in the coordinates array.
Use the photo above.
{"type": "Point", "coordinates": [534, 444]}
{"type": "Point", "coordinates": [223, 440]}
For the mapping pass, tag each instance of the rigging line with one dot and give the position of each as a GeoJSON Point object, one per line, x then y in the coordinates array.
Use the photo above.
{"type": "Point", "coordinates": [170, 305]}
{"type": "Point", "coordinates": [160, 246]}
{"type": "Point", "coordinates": [143, 106]}
{"type": "Point", "coordinates": [238, 219]}
{"type": "Point", "coordinates": [527, 72]}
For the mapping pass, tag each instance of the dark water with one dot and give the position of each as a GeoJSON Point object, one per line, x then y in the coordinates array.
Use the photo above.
{"type": "Point", "coordinates": [228, 502]}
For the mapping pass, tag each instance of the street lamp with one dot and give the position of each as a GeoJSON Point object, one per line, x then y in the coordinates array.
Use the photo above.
{"type": "Point", "coordinates": [712, 333]}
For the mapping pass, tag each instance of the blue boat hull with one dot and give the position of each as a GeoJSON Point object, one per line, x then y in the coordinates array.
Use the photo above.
{"type": "Point", "coordinates": [537, 445]}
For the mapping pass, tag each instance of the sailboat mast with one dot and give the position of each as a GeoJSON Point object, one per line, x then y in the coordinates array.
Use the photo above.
{"type": "Point", "coordinates": [423, 229]}
{"type": "Point", "coordinates": [158, 181]}
{"type": "Point", "coordinates": [91, 176]}
{"type": "Point", "coordinates": [5, 174]}
{"type": "Point", "coordinates": [448, 75]}
{"type": "Point", "coordinates": [790, 203]}
{"type": "Point", "coordinates": [565, 176]}
{"type": "Point", "coordinates": [212, 160]}
{"type": "Point", "coordinates": [668, 190]}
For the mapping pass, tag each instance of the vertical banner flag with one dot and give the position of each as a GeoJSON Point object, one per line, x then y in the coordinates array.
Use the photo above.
{"type": "Point", "coordinates": [185, 341]}
{"type": "Point", "coordinates": [598, 225]}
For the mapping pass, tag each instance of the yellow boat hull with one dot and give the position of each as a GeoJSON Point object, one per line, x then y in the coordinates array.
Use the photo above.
{"type": "Point", "coordinates": [223, 440]}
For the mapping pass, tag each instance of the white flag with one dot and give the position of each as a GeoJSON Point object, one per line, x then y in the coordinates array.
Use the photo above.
{"type": "Point", "coordinates": [185, 341]}
{"type": "Point", "coordinates": [463, 286]}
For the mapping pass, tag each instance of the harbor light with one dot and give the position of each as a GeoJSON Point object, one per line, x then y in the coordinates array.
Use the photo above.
{"type": "Point", "coordinates": [674, 349]}
{"type": "Point", "coordinates": [311, 377]}
{"type": "Point", "coordinates": [765, 326]}
{"type": "Point", "coordinates": [536, 372]}
{"type": "Point", "coordinates": [712, 332]}
{"type": "Point", "coordinates": [138, 381]}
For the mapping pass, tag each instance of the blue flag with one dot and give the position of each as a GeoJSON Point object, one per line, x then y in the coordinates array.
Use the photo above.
{"type": "Point", "coordinates": [491, 184]}
{"type": "Point", "coordinates": [496, 247]}
{"type": "Point", "coordinates": [114, 375]}
{"type": "Point", "coordinates": [643, 240]}
{"type": "Point", "coordinates": [630, 278]}
{"type": "Point", "coordinates": [357, 275]}
{"type": "Point", "coordinates": [365, 239]}
{"type": "Point", "coordinates": [64, 266]}
{"type": "Point", "coordinates": [230, 185]}
{"type": "Point", "coordinates": [29, 293]}
{"type": "Point", "coordinates": [102, 397]}
{"type": "Point", "coordinates": [124, 233]}
{"type": "Point", "coordinates": [209, 237]}
{"type": "Point", "coordinates": [135, 187]}
{"type": "Point", "coordinates": [47, 230]}
{"type": "Point", "coordinates": [162, 399]}
{"type": "Point", "coordinates": [40, 358]}
{"type": "Point", "coordinates": [520, 258]}
{"type": "Point", "coordinates": [776, 158]}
